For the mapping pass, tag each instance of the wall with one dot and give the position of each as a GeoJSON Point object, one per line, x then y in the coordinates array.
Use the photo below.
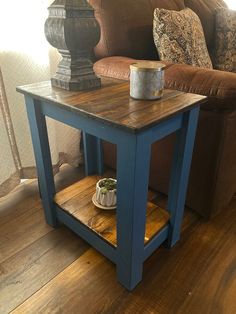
{"type": "Point", "coordinates": [24, 59]}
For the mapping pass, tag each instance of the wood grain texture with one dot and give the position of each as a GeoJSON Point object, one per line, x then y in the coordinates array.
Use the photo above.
{"type": "Point", "coordinates": [32, 253]}
{"type": "Point", "coordinates": [197, 276]}
{"type": "Point", "coordinates": [77, 201]}
{"type": "Point", "coordinates": [112, 104]}
{"type": "Point", "coordinates": [88, 273]}
{"type": "Point", "coordinates": [21, 201]}
{"type": "Point", "coordinates": [31, 268]}
{"type": "Point", "coordinates": [22, 231]}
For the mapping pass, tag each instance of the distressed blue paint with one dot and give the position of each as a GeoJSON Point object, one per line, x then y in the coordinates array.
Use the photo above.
{"type": "Point", "coordinates": [133, 162]}
{"type": "Point", "coordinates": [39, 136]}
{"type": "Point", "coordinates": [154, 243]}
{"type": "Point", "coordinates": [180, 172]}
{"type": "Point", "coordinates": [87, 234]}
{"type": "Point", "coordinates": [93, 154]}
{"type": "Point", "coordinates": [100, 163]}
{"type": "Point", "coordinates": [166, 128]}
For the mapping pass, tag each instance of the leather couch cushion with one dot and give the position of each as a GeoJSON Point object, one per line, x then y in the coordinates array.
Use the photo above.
{"type": "Point", "coordinates": [206, 82]}
{"type": "Point", "coordinates": [179, 37]}
{"type": "Point", "coordinates": [126, 26]}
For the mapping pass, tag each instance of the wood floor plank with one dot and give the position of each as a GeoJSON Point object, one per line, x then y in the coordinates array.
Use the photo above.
{"type": "Point", "coordinates": [18, 202]}
{"type": "Point", "coordinates": [21, 217]}
{"type": "Point", "coordinates": [30, 269]}
{"type": "Point", "coordinates": [56, 273]}
{"type": "Point", "coordinates": [87, 286]}
{"type": "Point", "coordinates": [21, 232]}
{"type": "Point", "coordinates": [197, 276]}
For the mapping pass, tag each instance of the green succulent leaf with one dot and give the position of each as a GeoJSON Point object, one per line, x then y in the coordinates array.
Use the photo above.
{"type": "Point", "coordinates": [104, 190]}
{"type": "Point", "coordinates": [108, 184]}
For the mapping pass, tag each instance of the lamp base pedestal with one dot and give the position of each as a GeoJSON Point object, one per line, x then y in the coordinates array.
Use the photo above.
{"type": "Point", "coordinates": [87, 83]}
{"type": "Point", "coordinates": [72, 28]}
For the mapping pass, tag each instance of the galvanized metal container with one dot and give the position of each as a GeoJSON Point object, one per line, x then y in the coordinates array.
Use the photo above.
{"type": "Point", "coordinates": [147, 80]}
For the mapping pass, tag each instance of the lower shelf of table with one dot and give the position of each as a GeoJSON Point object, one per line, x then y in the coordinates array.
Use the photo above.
{"type": "Point", "coordinates": [76, 200]}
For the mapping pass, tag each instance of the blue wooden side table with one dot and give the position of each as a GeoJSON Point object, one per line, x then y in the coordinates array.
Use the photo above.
{"type": "Point", "coordinates": [137, 228]}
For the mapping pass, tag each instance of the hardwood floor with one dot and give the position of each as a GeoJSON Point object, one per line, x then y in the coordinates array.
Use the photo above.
{"type": "Point", "coordinates": [45, 270]}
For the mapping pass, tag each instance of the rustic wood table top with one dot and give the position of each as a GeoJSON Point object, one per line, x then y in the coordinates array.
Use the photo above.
{"type": "Point", "coordinates": [113, 105]}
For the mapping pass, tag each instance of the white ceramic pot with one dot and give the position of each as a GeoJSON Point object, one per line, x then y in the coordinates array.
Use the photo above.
{"type": "Point", "coordinates": [107, 199]}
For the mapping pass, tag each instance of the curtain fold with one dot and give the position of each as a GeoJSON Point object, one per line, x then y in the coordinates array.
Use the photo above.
{"type": "Point", "coordinates": [9, 161]}
{"type": "Point", "coordinates": [15, 165]}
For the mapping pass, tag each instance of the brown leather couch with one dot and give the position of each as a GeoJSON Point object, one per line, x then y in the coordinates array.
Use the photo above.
{"type": "Point", "coordinates": [126, 35]}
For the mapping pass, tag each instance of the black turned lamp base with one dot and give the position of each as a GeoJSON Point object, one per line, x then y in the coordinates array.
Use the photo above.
{"type": "Point", "coordinates": [72, 28]}
{"type": "Point", "coordinates": [88, 83]}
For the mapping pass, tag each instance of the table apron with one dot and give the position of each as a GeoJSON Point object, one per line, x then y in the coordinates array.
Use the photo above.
{"type": "Point", "coordinates": [105, 131]}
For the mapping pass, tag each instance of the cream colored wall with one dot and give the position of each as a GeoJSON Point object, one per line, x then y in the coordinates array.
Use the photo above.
{"type": "Point", "coordinates": [231, 4]}
{"type": "Point", "coordinates": [20, 69]}
{"type": "Point", "coordinates": [22, 62]}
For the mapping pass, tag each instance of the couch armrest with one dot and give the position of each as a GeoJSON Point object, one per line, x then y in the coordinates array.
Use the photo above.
{"type": "Point", "coordinates": [186, 78]}
{"type": "Point", "coordinates": [207, 82]}
{"type": "Point", "coordinates": [115, 67]}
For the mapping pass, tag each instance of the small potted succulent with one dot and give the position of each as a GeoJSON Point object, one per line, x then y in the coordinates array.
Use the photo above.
{"type": "Point", "coordinates": [106, 192]}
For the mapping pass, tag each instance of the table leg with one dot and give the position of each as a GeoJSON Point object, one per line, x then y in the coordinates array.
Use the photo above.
{"type": "Point", "coordinates": [180, 173]}
{"type": "Point", "coordinates": [43, 158]}
{"type": "Point", "coordinates": [133, 163]}
{"type": "Point", "coordinates": [93, 154]}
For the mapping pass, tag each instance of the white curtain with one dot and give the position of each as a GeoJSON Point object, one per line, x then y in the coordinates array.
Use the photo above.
{"type": "Point", "coordinates": [24, 59]}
